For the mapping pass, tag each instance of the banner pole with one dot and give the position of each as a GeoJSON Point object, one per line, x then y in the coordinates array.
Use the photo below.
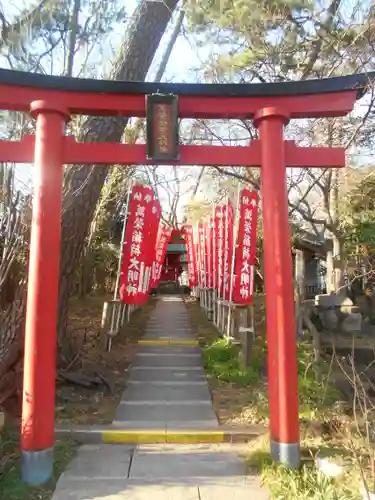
{"type": "Point", "coordinates": [119, 266]}
{"type": "Point", "coordinates": [206, 265]}
{"type": "Point", "coordinates": [220, 263]}
{"type": "Point", "coordinates": [225, 270]}
{"type": "Point", "coordinates": [235, 235]}
{"type": "Point", "coordinates": [208, 273]}
{"type": "Point", "coordinates": [118, 276]}
{"type": "Point", "coordinates": [214, 277]}
{"type": "Point", "coordinates": [219, 248]}
{"type": "Point", "coordinates": [198, 258]}
{"type": "Point", "coordinates": [204, 273]}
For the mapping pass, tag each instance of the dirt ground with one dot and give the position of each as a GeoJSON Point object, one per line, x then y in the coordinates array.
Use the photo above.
{"type": "Point", "coordinates": [97, 404]}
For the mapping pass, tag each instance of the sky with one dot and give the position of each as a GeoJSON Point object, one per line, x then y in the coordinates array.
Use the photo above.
{"type": "Point", "coordinates": [183, 58]}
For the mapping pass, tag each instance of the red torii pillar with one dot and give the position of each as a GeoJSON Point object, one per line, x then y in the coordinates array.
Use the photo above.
{"type": "Point", "coordinates": [279, 291]}
{"type": "Point", "coordinates": [38, 406]}
{"type": "Point", "coordinates": [271, 152]}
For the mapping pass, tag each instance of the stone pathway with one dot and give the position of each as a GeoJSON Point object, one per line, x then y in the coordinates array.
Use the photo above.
{"type": "Point", "coordinates": [167, 395]}
{"type": "Point", "coordinates": [167, 387]}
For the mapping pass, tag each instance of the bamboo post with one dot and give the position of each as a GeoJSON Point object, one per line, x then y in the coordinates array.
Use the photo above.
{"type": "Point", "coordinates": [232, 264]}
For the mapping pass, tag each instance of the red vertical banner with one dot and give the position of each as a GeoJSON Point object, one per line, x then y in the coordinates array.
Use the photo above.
{"type": "Point", "coordinates": [206, 251]}
{"type": "Point", "coordinates": [209, 253]}
{"type": "Point", "coordinates": [243, 290]}
{"type": "Point", "coordinates": [150, 250]}
{"type": "Point", "coordinates": [191, 255]}
{"type": "Point", "coordinates": [229, 214]}
{"type": "Point", "coordinates": [135, 245]}
{"type": "Point", "coordinates": [197, 256]}
{"type": "Point", "coordinates": [155, 263]}
{"type": "Point", "coordinates": [212, 252]}
{"type": "Point", "coordinates": [202, 255]}
{"type": "Point", "coordinates": [164, 235]}
{"type": "Point", "coordinates": [218, 245]}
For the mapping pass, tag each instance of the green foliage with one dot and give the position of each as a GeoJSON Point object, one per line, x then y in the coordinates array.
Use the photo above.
{"type": "Point", "coordinates": [359, 214]}
{"type": "Point", "coordinates": [308, 482]}
{"type": "Point", "coordinates": [281, 40]}
{"type": "Point", "coordinates": [35, 39]}
{"type": "Point", "coordinates": [305, 484]}
{"type": "Point", "coordinates": [314, 397]}
{"type": "Point", "coordinates": [221, 362]}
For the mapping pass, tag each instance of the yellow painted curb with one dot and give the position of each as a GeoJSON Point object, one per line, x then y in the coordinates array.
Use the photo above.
{"type": "Point", "coordinates": [195, 437]}
{"type": "Point", "coordinates": [184, 342]}
{"type": "Point", "coordinates": [153, 342]}
{"type": "Point", "coordinates": [162, 436]}
{"type": "Point", "coordinates": [141, 437]}
{"type": "Point", "coordinates": [173, 342]}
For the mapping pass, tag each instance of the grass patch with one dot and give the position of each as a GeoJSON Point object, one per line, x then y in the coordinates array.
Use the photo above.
{"type": "Point", "coordinates": [11, 486]}
{"type": "Point", "coordinates": [221, 362]}
{"type": "Point", "coordinates": [315, 398]}
{"type": "Point", "coordinates": [307, 483]}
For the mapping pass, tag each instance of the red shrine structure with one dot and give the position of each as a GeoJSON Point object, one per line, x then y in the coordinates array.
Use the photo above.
{"type": "Point", "coordinates": [175, 260]}
{"type": "Point", "coordinates": [52, 100]}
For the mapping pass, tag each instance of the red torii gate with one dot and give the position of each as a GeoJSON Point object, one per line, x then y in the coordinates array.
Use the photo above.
{"type": "Point", "coordinates": [51, 100]}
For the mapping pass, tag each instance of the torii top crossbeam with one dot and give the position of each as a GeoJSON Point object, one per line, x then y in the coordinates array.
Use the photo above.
{"type": "Point", "coordinates": [326, 97]}
{"type": "Point", "coordinates": [306, 99]}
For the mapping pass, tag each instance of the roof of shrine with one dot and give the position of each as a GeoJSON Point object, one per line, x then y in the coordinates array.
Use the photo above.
{"type": "Point", "coordinates": [357, 82]}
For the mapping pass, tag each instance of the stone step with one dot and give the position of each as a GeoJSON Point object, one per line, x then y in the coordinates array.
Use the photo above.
{"type": "Point", "coordinates": [200, 488]}
{"type": "Point", "coordinates": [165, 402]}
{"type": "Point", "coordinates": [172, 336]}
{"type": "Point", "coordinates": [158, 429]}
{"type": "Point", "coordinates": [163, 413]}
{"type": "Point", "coordinates": [167, 349]}
{"type": "Point", "coordinates": [190, 461]}
{"type": "Point", "coordinates": [172, 383]}
{"type": "Point", "coordinates": [169, 318]}
{"type": "Point", "coordinates": [169, 342]}
{"type": "Point", "coordinates": [167, 375]}
{"type": "Point", "coordinates": [165, 360]}
{"type": "Point", "coordinates": [169, 328]}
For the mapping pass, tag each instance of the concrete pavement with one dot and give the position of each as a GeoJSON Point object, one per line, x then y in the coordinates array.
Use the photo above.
{"type": "Point", "coordinates": [159, 472]}
{"type": "Point", "coordinates": [167, 401]}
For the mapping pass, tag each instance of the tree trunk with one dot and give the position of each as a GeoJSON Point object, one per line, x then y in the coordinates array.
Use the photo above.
{"type": "Point", "coordinates": [83, 184]}
{"type": "Point", "coordinates": [337, 257]}
{"type": "Point", "coordinates": [334, 255]}
{"type": "Point", "coordinates": [72, 38]}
